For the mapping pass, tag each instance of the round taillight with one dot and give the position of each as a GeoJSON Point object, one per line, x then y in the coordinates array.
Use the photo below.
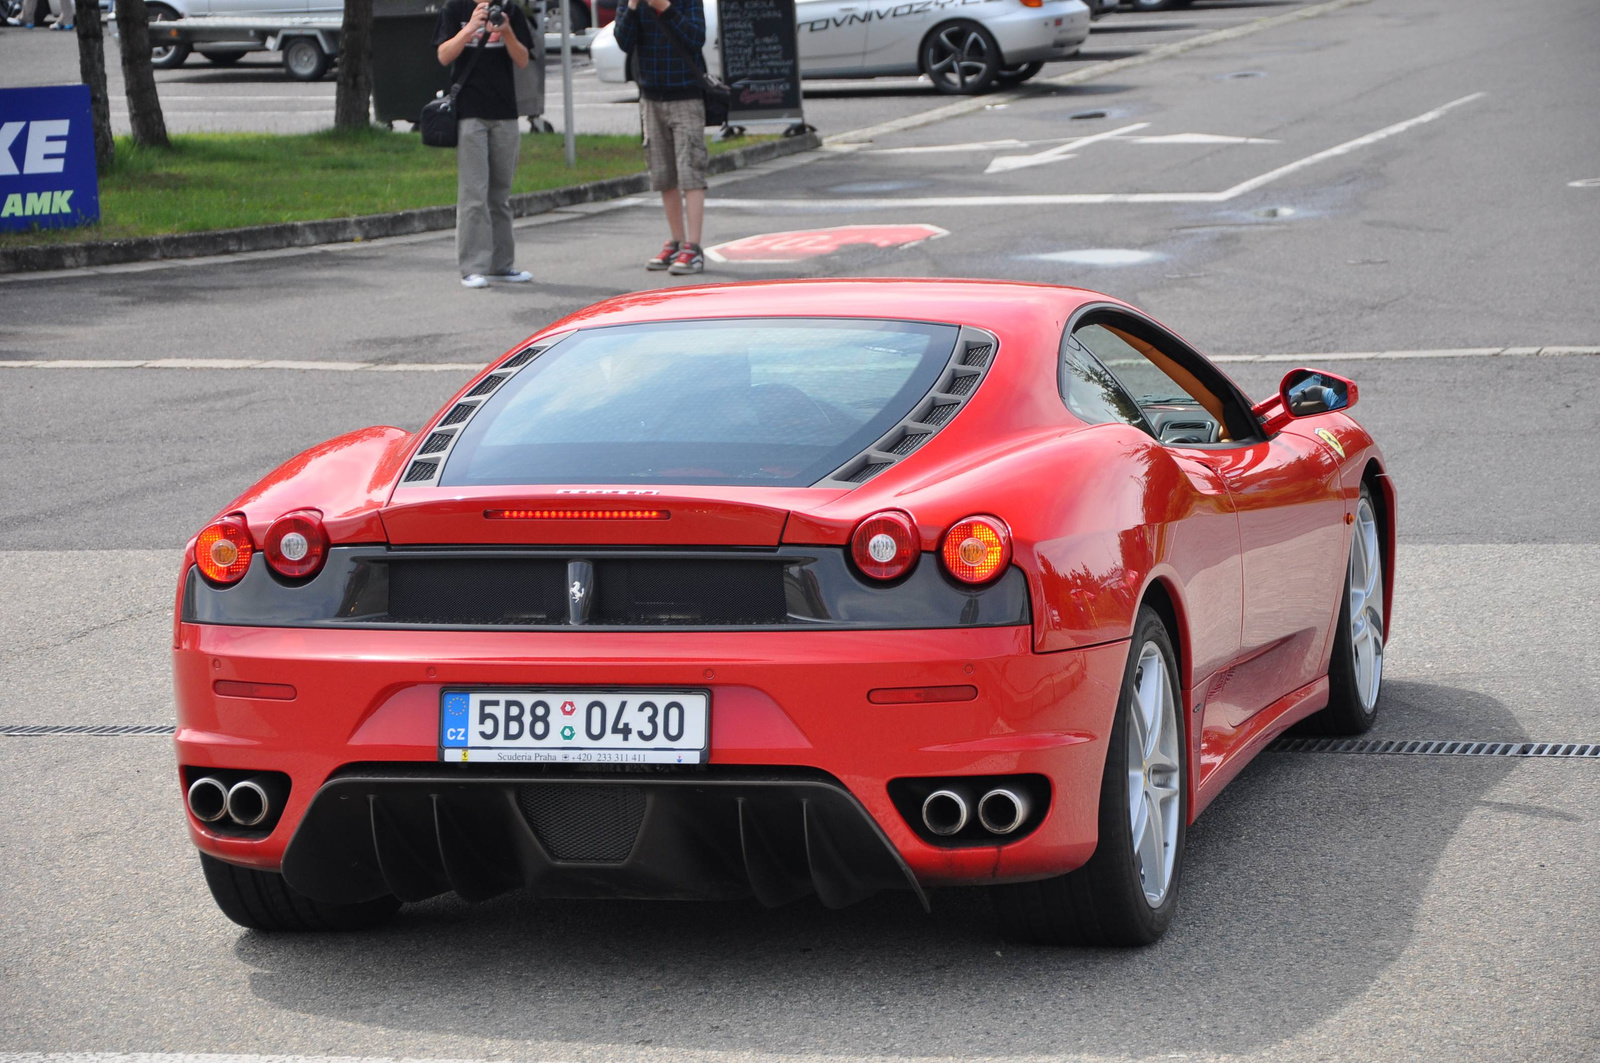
{"type": "Point", "coordinates": [977, 549]}
{"type": "Point", "coordinates": [885, 545]}
{"type": "Point", "coordinates": [296, 544]}
{"type": "Point", "coordinates": [223, 549]}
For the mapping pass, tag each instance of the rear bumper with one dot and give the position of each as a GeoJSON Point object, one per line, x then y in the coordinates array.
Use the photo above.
{"type": "Point", "coordinates": [788, 700]}
{"type": "Point", "coordinates": [1040, 34]}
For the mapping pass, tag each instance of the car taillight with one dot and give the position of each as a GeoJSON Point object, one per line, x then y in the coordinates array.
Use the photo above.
{"type": "Point", "coordinates": [885, 545]}
{"type": "Point", "coordinates": [223, 549]}
{"type": "Point", "coordinates": [296, 544]}
{"type": "Point", "coordinates": [977, 549]}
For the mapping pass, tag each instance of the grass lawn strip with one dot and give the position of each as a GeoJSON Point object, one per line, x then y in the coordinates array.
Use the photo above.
{"type": "Point", "coordinates": [228, 180]}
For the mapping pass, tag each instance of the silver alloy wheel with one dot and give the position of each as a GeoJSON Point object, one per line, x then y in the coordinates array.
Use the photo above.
{"type": "Point", "coordinates": [958, 52]}
{"type": "Point", "coordinates": [1153, 775]}
{"type": "Point", "coordinates": [1366, 605]}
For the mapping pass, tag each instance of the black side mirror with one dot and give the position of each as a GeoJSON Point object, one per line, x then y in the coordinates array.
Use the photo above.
{"type": "Point", "coordinates": [1305, 392]}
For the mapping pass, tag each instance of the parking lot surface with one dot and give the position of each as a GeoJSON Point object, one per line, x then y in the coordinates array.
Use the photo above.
{"type": "Point", "coordinates": [1396, 188]}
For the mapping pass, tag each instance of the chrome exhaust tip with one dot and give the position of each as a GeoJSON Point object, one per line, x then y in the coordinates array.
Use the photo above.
{"type": "Point", "coordinates": [944, 812]}
{"type": "Point", "coordinates": [1002, 811]}
{"type": "Point", "coordinates": [208, 799]}
{"type": "Point", "coordinates": [249, 803]}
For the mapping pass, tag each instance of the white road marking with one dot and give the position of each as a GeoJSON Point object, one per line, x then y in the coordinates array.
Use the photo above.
{"type": "Point", "coordinates": [1098, 256]}
{"type": "Point", "coordinates": [1200, 138]}
{"type": "Point", "coordinates": [1586, 182]}
{"type": "Point", "coordinates": [1012, 143]}
{"type": "Point", "coordinates": [200, 1057]}
{"type": "Point", "coordinates": [232, 364]}
{"type": "Point", "coordinates": [1005, 163]}
{"type": "Point", "coordinates": [1092, 198]}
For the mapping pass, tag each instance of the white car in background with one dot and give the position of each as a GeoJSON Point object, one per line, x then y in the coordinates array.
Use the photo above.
{"type": "Point", "coordinates": [964, 46]}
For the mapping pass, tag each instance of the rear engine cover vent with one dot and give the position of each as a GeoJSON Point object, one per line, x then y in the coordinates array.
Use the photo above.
{"type": "Point", "coordinates": [436, 442]}
{"type": "Point", "coordinates": [421, 470]}
{"type": "Point", "coordinates": [458, 413]}
{"type": "Point", "coordinates": [522, 357]}
{"type": "Point", "coordinates": [486, 385]}
{"type": "Point", "coordinates": [969, 364]}
{"type": "Point", "coordinates": [584, 824]}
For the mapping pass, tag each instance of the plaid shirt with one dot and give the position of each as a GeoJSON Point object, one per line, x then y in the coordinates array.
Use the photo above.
{"type": "Point", "coordinates": [662, 72]}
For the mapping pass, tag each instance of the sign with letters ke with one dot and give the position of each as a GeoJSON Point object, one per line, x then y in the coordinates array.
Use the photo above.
{"type": "Point", "coordinates": [47, 173]}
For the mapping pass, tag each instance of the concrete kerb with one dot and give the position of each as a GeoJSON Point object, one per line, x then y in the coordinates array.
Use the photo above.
{"type": "Point", "coordinates": [364, 227]}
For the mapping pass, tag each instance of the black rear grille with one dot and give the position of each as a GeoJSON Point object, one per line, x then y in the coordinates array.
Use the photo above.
{"type": "Point", "coordinates": [597, 824]}
{"type": "Point", "coordinates": [633, 591]}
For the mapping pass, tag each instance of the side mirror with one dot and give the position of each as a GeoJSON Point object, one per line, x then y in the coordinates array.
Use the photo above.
{"type": "Point", "coordinates": [1305, 392]}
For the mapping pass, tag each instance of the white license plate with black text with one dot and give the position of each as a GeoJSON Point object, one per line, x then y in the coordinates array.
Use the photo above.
{"type": "Point", "coordinates": [562, 726]}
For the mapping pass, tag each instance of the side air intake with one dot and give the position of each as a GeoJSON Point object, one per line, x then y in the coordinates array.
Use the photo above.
{"type": "Point", "coordinates": [969, 363]}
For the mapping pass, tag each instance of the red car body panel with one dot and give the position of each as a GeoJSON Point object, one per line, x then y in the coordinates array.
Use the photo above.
{"type": "Point", "coordinates": [1247, 544]}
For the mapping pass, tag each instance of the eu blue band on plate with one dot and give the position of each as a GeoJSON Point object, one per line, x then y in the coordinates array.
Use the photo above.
{"type": "Point", "coordinates": [454, 720]}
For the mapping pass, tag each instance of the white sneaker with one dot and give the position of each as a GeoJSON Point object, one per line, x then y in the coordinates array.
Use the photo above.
{"type": "Point", "coordinates": [474, 280]}
{"type": "Point", "coordinates": [516, 276]}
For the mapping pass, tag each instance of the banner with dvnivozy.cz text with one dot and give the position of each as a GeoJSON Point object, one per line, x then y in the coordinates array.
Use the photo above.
{"type": "Point", "coordinates": [47, 172]}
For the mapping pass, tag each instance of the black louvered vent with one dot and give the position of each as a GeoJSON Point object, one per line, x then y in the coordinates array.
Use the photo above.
{"type": "Point", "coordinates": [977, 354]}
{"type": "Point", "coordinates": [963, 385]}
{"type": "Point", "coordinates": [521, 357]}
{"type": "Point", "coordinates": [436, 442]}
{"type": "Point", "coordinates": [911, 442]}
{"type": "Point", "coordinates": [486, 385]}
{"type": "Point", "coordinates": [941, 413]}
{"type": "Point", "coordinates": [421, 470]}
{"type": "Point", "coordinates": [460, 412]}
{"type": "Point", "coordinates": [867, 472]}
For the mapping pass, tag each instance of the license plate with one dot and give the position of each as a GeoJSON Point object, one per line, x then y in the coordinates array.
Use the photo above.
{"type": "Point", "coordinates": [560, 726]}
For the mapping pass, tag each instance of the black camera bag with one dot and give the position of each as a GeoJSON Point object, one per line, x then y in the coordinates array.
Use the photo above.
{"type": "Point", "coordinates": [439, 124]}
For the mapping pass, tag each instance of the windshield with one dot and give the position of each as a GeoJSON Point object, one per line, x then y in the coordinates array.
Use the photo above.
{"type": "Point", "coordinates": [769, 402]}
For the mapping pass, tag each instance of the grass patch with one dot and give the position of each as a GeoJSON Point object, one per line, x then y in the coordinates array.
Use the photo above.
{"type": "Point", "coordinates": [228, 180]}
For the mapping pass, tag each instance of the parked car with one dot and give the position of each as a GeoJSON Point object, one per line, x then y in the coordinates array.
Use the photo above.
{"type": "Point", "coordinates": [963, 46]}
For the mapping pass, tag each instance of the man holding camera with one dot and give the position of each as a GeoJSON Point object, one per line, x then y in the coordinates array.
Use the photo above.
{"type": "Point", "coordinates": [480, 42]}
{"type": "Point", "coordinates": [661, 37]}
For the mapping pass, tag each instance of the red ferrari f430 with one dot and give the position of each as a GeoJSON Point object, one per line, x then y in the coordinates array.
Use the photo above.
{"type": "Point", "coordinates": [783, 589]}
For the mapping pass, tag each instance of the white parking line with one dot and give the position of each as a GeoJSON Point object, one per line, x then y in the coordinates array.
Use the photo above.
{"type": "Point", "coordinates": [1092, 198]}
{"type": "Point", "coordinates": [230, 364]}
{"type": "Point", "coordinates": [199, 1057]}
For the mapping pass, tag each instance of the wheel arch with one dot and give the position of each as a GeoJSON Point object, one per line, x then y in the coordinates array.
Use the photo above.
{"type": "Point", "coordinates": [1381, 486]}
{"type": "Point", "coordinates": [1161, 597]}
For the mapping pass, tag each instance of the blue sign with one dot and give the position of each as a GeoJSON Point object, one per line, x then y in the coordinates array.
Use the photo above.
{"type": "Point", "coordinates": [47, 174]}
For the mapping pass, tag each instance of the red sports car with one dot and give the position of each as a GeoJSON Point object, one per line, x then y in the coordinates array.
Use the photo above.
{"type": "Point", "coordinates": [777, 589]}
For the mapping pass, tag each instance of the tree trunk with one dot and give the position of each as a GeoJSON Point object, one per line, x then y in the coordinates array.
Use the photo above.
{"type": "Point", "coordinates": [144, 105]}
{"type": "Point", "coordinates": [92, 68]}
{"type": "Point", "coordinates": [352, 106]}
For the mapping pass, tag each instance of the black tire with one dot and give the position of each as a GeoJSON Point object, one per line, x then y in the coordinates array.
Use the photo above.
{"type": "Point", "coordinates": [223, 58]}
{"type": "Point", "coordinates": [1349, 712]}
{"type": "Point", "coordinates": [304, 59]}
{"type": "Point", "coordinates": [1104, 902]}
{"type": "Point", "coordinates": [1016, 75]}
{"type": "Point", "coordinates": [1152, 5]}
{"type": "Point", "coordinates": [960, 58]}
{"type": "Point", "coordinates": [167, 57]}
{"type": "Point", "coordinates": [262, 900]}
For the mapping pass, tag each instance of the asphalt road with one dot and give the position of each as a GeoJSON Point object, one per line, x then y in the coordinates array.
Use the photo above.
{"type": "Point", "coordinates": [1335, 907]}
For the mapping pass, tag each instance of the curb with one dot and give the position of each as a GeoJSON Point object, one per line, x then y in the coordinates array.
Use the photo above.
{"type": "Point", "coordinates": [363, 227]}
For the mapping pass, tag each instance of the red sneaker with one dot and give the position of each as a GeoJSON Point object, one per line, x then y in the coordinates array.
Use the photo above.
{"type": "Point", "coordinates": [663, 257]}
{"type": "Point", "coordinates": [689, 259]}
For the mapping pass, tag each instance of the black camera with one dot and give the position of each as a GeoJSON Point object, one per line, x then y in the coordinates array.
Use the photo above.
{"type": "Point", "coordinates": [497, 15]}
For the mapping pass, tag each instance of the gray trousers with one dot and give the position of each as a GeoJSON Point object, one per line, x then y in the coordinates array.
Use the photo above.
{"type": "Point", "coordinates": [486, 161]}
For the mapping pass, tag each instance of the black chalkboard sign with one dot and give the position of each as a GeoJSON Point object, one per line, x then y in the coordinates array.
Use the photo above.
{"type": "Point", "coordinates": [760, 59]}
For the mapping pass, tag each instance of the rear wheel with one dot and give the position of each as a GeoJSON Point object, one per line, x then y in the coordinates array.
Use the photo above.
{"type": "Point", "coordinates": [1016, 75]}
{"type": "Point", "coordinates": [304, 59]}
{"type": "Point", "coordinates": [1355, 669]}
{"type": "Point", "coordinates": [961, 57]}
{"type": "Point", "coordinates": [262, 900]}
{"type": "Point", "coordinates": [1127, 892]}
{"type": "Point", "coordinates": [166, 56]}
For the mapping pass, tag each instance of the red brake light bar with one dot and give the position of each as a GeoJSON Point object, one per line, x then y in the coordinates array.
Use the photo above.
{"type": "Point", "coordinates": [577, 514]}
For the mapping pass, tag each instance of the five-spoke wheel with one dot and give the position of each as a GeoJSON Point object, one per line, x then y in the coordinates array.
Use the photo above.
{"type": "Point", "coordinates": [961, 57]}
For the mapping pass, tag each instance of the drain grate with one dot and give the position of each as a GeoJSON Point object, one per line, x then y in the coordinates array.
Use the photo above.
{"type": "Point", "coordinates": [42, 730]}
{"type": "Point", "coordinates": [1437, 748]}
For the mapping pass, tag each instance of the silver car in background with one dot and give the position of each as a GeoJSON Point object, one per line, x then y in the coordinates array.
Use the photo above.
{"type": "Point", "coordinates": [963, 46]}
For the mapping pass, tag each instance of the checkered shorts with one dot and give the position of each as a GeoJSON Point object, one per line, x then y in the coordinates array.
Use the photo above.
{"type": "Point", "coordinates": [675, 143]}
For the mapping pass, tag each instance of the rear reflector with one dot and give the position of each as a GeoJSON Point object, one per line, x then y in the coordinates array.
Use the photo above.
{"type": "Point", "coordinates": [920, 695]}
{"type": "Point", "coordinates": [577, 514]}
{"type": "Point", "coordinates": [232, 688]}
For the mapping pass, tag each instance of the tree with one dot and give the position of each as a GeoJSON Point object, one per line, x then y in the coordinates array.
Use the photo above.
{"type": "Point", "coordinates": [352, 107]}
{"type": "Point", "coordinates": [92, 68]}
{"type": "Point", "coordinates": [144, 105]}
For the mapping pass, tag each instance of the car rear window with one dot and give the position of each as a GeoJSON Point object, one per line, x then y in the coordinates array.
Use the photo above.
{"type": "Point", "coordinates": [772, 402]}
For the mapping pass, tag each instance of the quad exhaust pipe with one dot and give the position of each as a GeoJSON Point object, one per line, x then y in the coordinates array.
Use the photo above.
{"type": "Point", "coordinates": [248, 802]}
{"type": "Point", "coordinates": [1002, 810]}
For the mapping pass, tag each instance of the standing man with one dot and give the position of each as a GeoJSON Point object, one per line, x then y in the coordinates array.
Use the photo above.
{"type": "Point", "coordinates": [490, 137]}
{"type": "Point", "coordinates": [672, 110]}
